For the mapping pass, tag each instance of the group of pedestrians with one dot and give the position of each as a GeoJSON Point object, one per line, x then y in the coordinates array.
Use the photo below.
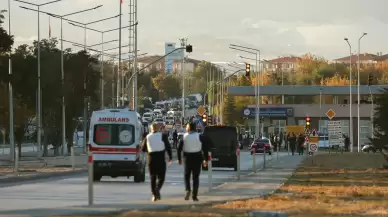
{"type": "Point", "coordinates": [296, 143]}
{"type": "Point", "coordinates": [192, 151]}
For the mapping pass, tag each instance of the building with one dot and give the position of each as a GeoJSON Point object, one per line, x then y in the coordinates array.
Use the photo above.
{"type": "Point", "coordinates": [190, 65]}
{"type": "Point", "coordinates": [286, 64]}
{"type": "Point", "coordinates": [158, 63]}
{"type": "Point", "coordinates": [366, 59]}
{"type": "Point", "coordinates": [278, 116]}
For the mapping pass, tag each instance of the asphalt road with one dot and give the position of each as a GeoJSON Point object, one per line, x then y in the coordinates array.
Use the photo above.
{"type": "Point", "coordinates": [72, 191]}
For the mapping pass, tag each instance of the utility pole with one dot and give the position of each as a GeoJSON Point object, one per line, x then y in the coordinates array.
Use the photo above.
{"type": "Point", "coordinates": [183, 45]}
{"type": "Point", "coordinates": [11, 121]}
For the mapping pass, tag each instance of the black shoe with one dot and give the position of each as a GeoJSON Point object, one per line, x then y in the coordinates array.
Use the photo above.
{"type": "Point", "coordinates": [187, 195]}
{"type": "Point", "coordinates": [154, 198]}
{"type": "Point", "coordinates": [158, 196]}
{"type": "Point", "coordinates": [195, 194]}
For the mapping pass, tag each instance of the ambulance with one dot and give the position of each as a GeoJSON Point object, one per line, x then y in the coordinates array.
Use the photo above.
{"type": "Point", "coordinates": [115, 139]}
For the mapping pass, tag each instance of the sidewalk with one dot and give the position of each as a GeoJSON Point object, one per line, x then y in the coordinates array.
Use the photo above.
{"type": "Point", "coordinates": [46, 167]}
{"type": "Point", "coordinates": [43, 168]}
{"type": "Point", "coordinates": [249, 186]}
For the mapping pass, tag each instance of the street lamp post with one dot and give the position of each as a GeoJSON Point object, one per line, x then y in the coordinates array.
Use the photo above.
{"type": "Point", "coordinates": [62, 17]}
{"type": "Point", "coordinates": [358, 92]}
{"type": "Point", "coordinates": [11, 124]}
{"type": "Point", "coordinates": [85, 112]}
{"type": "Point", "coordinates": [39, 112]}
{"type": "Point", "coordinates": [102, 53]}
{"type": "Point", "coordinates": [183, 45]}
{"type": "Point", "coordinates": [257, 86]}
{"type": "Point", "coordinates": [350, 96]}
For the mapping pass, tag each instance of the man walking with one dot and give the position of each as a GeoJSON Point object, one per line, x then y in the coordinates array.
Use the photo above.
{"type": "Point", "coordinates": [156, 144]}
{"type": "Point", "coordinates": [175, 139]}
{"type": "Point", "coordinates": [195, 153]}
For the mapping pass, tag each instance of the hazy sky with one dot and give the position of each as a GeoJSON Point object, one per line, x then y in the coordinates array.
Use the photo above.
{"type": "Point", "coordinates": [277, 27]}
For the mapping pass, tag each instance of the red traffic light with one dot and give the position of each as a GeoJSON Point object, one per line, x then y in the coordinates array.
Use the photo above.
{"type": "Point", "coordinates": [307, 118]}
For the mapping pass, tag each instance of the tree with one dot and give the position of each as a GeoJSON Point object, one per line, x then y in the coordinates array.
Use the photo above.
{"type": "Point", "coordinates": [6, 41]}
{"type": "Point", "coordinates": [229, 113]}
{"type": "Point", "coordinates": [381, 124]}
{"type": "Point", "coordinates": [167, 85]}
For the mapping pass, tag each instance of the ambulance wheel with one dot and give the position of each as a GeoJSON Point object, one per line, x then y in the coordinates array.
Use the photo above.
{"type": "Point", "coordinates": [97, 177]}
{"type": "Point", "coordinates": [139, 177]}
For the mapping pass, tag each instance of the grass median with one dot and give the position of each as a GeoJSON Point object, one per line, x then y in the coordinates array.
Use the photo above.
{"type": "Point", "coordinates": [325, 185]}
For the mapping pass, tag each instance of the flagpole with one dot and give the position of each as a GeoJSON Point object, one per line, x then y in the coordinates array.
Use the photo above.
{"type": "Point", "coordinates": [119, 71]}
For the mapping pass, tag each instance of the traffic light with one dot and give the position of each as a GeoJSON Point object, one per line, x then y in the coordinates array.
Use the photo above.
{"type": "Point", "coordinates": [189, 48]}
{"type": "Point", "coordinates": [204, 118]}
{"type": "Point", "coordinates": [370, 79]}
{"type": "Point", "coordinates": [247, 69]}
{"type": "Point", "coordinates": [308, 122]}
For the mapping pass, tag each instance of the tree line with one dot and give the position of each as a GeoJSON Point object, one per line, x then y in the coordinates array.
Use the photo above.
{"type": "Point", "coordinates": [78, 67]}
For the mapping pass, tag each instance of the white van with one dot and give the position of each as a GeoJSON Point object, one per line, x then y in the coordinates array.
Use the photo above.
{"type": "Point", "coordinates": [147, 117]}
{"type": "Point", "coordinates": [115, 139]}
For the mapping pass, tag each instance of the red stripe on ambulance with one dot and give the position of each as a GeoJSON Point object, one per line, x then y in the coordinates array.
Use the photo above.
{"type": "Point", "coordinates": [113, 150]}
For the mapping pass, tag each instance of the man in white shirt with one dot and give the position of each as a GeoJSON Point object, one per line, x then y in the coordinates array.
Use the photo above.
{"type": "Point", "coordinates": [195, 153]}
{"type": "Point", "coordinates": [155, 145]}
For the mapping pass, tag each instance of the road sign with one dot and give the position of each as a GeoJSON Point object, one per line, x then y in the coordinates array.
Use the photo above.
{"type": "Point", "coordinates": [313, 139]}
{"type": "Point", "coordinates": [334, 129]}
{"type": "Point", "coordinates": [313, 147]}
{"type": "Point", "coordinates": [330, 114]}
{"type": "Point", "coordinates": [201, 110]}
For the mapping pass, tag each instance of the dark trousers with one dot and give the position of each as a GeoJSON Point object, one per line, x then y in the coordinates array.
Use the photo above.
{"type": "Point", "coordinates": [192, 168]}
{"type": "Point", "coordinates": [301, 150]}
{"type": "Point", "coordinates": [175, 143]}
{"type": "Point", "coordinates": [157, 172]}
{"type": "Point", "coordinates": [292, 147]}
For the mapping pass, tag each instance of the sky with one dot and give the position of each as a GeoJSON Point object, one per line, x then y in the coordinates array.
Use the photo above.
{"type": "Point", "coordinates": [276, 27]}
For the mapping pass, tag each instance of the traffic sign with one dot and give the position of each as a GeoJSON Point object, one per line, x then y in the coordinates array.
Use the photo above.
{"type": "Point", "coordinates": [330, 114]}
{"type": "Point", "coordinates": [313, 147]}
{"type": "Point", "coordinates": [201, 110]}
{"type": "Point", "coordinates": [334, 130]}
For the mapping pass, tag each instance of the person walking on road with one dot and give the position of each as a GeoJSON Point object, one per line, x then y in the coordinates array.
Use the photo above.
{"type": "Point", "coordinates": [301, 142]}
{"type": "Point", "coordinates": [292, 142]}
{"type": "Point", "coordinates": [195, 153]}
{"type": "Point", "coordinates": [155, 145]}
{"type": "Point", "coordinates": [175, 139]}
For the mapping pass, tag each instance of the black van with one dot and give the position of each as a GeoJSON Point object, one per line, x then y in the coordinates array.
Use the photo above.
{"type": "Point", "coordinates": [224, 143]}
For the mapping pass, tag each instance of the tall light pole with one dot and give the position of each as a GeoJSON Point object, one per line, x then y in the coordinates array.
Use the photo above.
{"type": "Point", "coordinates": [102, 53]}
{"type": "Point", "coordinates": [39, 112]}
{"type": "Point", "coordinates": [11, 124]}
{"type": "Point", "coordinates": [62, 17]}
{"type": "Point", "coordinates": [350, 96]}
{"type": "Point", "coordinates": [257, 86]}
{"type": "Point", "coordinates": [358, 92]}
{"type": "Point", "coordinates": [134, 88]}
{"type": "Point", "coordinates": [118, 79]}
{"type": "Point", "coordinates": [183, 45]}
{"type": "Point", "coordinates": [85, 112]}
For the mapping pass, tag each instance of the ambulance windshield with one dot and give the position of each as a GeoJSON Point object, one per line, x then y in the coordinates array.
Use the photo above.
{"type": "Point", "coordinates": [114, 134]}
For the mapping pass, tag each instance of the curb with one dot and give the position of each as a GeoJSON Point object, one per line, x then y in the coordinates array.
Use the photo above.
{"type": "Point", "coordinates": [18, 179]}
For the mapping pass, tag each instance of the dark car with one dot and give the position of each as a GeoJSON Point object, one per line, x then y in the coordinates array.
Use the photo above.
{"type": "Point", "coordinates": [259, 145]}
{"type": "Point", "coordinates": [224, 144]}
